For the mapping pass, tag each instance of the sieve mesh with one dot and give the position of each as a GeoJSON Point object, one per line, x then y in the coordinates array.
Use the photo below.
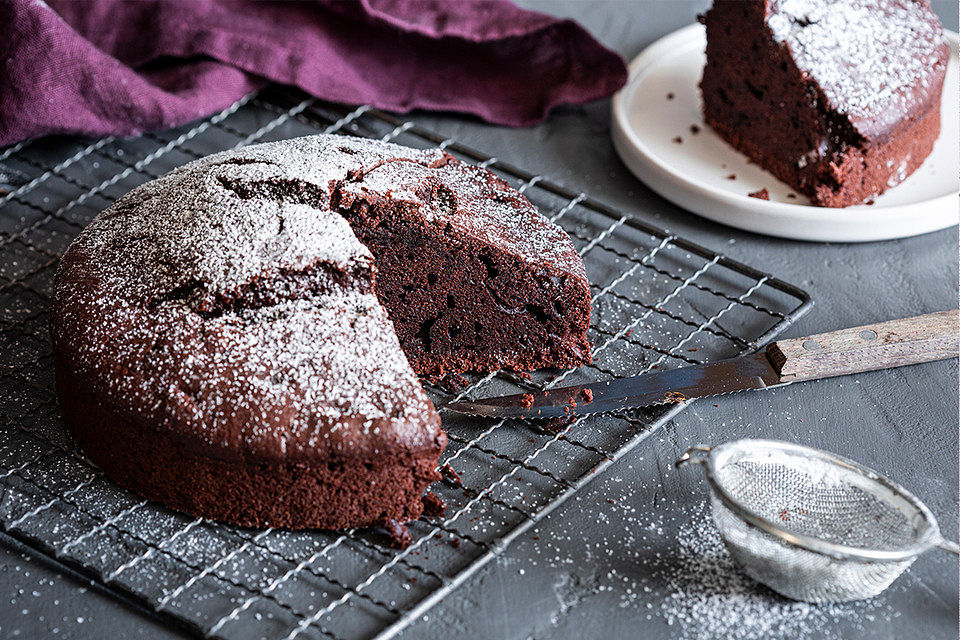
{"type": "Point", "coordinates": [818, 499]}
{"type": "Point", "coordinates": [798, 573]}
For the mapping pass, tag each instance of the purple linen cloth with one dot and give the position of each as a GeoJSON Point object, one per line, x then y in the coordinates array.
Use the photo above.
{"type": "Point", "coordinates": [121, 67]}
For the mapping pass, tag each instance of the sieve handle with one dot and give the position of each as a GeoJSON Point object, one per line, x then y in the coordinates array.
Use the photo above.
{"type": "Point", "coordinates": [876, 346]}
{"type": "Point", "coordinates": [949, 545]}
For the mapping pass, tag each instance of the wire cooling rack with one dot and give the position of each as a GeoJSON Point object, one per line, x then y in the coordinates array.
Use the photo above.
{"type": "Point", "coordinates": [659, 301]}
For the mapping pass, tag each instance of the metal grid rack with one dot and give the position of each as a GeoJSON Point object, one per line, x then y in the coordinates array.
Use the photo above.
{"type": "Point", "coordinates": [659, 301]}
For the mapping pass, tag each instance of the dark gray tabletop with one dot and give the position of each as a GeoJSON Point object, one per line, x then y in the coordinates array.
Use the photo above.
{"type": "Point", "coordinates": [634, 553]}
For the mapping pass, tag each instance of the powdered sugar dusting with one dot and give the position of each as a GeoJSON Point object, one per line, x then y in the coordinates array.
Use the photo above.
{"type": "Point", "coordinates": [230, 302]}
{"type": "Point", "coordinates": [872, 58]}
{"type": "Point", "coordinates": [189, 227]}
{"type": "Point", "coordinates": [322, 341]}
{"type": "Point", "coordinates": [708, 597]}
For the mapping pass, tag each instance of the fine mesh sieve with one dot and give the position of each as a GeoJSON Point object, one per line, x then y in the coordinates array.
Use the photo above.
{"type": "Point", "coordinates": [811, 525]}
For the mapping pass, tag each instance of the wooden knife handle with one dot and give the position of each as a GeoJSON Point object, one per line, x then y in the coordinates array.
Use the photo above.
{"type": "Point", "coordinates": [876, 346]}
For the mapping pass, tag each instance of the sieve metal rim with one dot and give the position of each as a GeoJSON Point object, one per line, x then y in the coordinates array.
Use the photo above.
{"type": "Point", "coordinates": [706, 457]}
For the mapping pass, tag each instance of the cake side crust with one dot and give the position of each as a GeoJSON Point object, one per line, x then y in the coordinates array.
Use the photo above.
{"type": "Point", "coordinates": [855, 175]}
{"type": "Point", "coordinates": [334, 494]}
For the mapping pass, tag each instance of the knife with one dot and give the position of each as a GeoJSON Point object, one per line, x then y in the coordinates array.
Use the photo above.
{"type": "Point", "coordinates": [878, 346]}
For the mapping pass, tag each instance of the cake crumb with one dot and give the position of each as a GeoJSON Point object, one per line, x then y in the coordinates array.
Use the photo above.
{"type": "Point", "coordinates": [556, 425]}
{"type": "Point", "coordinates": [762, 194]}
{"type": "Point", "coordinates": [694, 129]}
{"type": "Point", "coordinates": [678, 140]}
{"type": "Point", "coordinates": [454, 381]}
{"type": "Point", "coordinates": [450, 475]}
{"type": "Point", "coordinates": [675, 397]}
{"type": "Point", "coordinates": [526, 400]}
{"type": "Point", "coordinates": [732, 176]}
{"type": "Point", "coordinates": [792, 196]}
{"type": "Point", "coordinates": [400, 537]}
{"type": "Point", "coordinates": [671, 95]}
{"type": "Point", "coordinates": [587, 395]}
{"type": "Point", "coordinates": [433, 505]}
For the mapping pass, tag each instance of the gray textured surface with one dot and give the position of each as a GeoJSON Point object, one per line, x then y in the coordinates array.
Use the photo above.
{"type": "Point", "coordinates": [606, 564]}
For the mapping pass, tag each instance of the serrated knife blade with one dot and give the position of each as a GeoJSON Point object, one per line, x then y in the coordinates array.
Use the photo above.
{"type": "Point", "coordinates": [676, 385]}
{"type": "Point", "coordinates": [880, 346]}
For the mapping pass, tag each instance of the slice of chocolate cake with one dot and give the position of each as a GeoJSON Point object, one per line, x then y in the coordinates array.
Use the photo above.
{"type": "Point", "coordinates": [840, 99]}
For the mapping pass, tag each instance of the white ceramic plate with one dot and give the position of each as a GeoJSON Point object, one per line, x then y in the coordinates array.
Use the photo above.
{"type": "Point", "coordinates": [694, 173]}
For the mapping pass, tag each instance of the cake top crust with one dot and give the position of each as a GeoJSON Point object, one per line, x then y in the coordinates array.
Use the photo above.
{"type": "Point", "coordinates": [876, 61]}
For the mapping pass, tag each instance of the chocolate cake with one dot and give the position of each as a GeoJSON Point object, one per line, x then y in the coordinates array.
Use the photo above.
{"type": "Point", "coordinates": [840, 99]}
{"type": "Point", "coordinates": [220, 346]}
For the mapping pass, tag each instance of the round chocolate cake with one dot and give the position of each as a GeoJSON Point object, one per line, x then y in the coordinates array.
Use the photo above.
{"type": "Point", "coordinates": [220, 345]}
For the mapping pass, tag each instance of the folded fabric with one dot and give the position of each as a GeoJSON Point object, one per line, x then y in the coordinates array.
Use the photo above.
{"type": "Point", "coordinates": [120, 67]}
